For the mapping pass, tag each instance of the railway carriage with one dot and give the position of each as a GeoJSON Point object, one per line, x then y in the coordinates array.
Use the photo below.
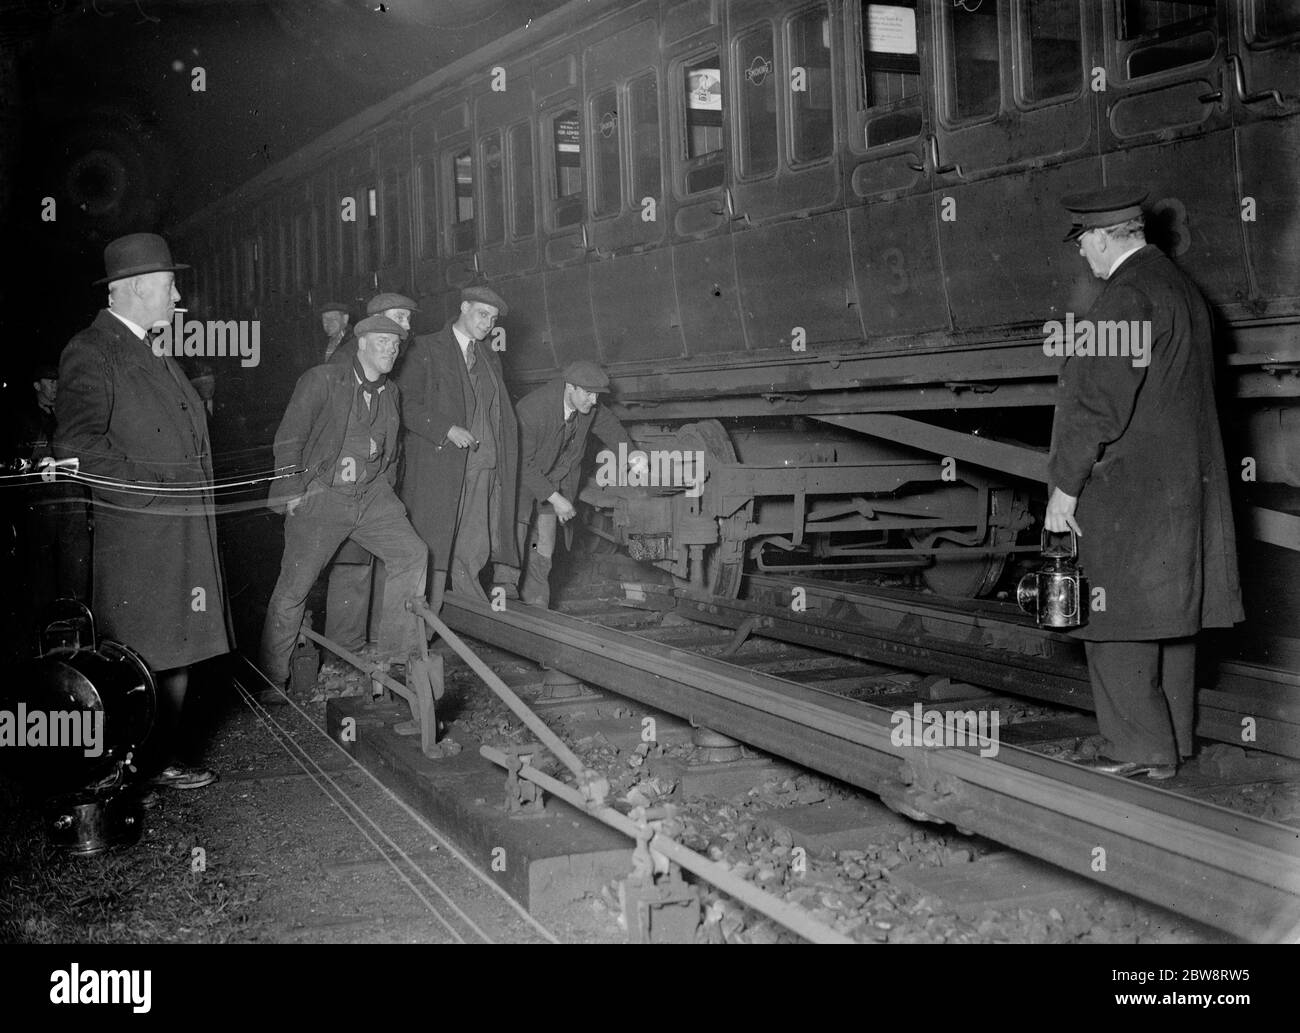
{"type": "Point", "coordinates": [817, 241]}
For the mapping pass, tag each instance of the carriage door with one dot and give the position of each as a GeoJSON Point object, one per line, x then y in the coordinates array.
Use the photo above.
{"type": "Point", "coordinates": [1265, 81]}
{"type": "Point", "coordinates": [784, 81]}
{"type": "Point", "coordinates": [1014, 130]}
{"type": "Point", "coordinates": [632, 293]}
{"type": "Point", "coordinates": [393, 243]}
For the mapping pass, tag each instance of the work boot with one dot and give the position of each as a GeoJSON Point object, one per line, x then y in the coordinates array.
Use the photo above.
{"type": "Point", "coordinates": [536, 589]}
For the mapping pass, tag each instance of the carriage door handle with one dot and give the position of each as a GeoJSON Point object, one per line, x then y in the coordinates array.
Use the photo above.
{"type": "Point", "coordinates": [940, 169]}
{"type": "Point", "coordinates": [1239, 80]}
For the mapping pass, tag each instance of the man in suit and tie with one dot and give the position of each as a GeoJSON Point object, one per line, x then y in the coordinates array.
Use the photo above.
{"type": "Point", "coordinates": [461, 447]}
{"type": "Point", "coordinates": [134, 422]}
{"type": "Point", "coordinates": [554, 422]}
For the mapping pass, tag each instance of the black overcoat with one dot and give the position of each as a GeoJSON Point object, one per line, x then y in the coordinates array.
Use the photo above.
{"type": "Point", "coordinates": [436, 396]}
{"type": "Point", "coordinates": [1139, 446]}
{"type": "Point", "coordinates": [132, 416]}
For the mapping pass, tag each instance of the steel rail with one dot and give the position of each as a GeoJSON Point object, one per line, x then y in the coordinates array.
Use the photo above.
{"type": "Point", "coordinates": [981, 644]}
{"type": "Point", "coordinates": [1228, 870]}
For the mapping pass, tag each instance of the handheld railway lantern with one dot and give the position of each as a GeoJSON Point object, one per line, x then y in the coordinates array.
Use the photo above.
{"type": "Point", "coordinates": [1055, 594]}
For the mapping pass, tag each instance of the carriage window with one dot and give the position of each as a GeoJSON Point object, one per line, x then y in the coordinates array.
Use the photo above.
{"type": "Point", "coordinates": [757, 98]}
{"type": "Point", "coordinates": [566, 137]}
{"type": "Point", "coordinates": [703, 84]}
{"type": "Point", "coordinates": [1050, 49]}
{"type": "Point", "coordinates": [370, 240]}
{"type": "Point", "coordinates": [1171, 34]}
{"type": "Point", "coordinates": [428, 210]}
{"type": "Point", "coordinates": [891, 71]}
{"type": "Point", "coordinates": [810, 55]}
{"type": "Point", "coordinates": [521, 157]}
{"type": "Point", "coordinates": [972, 59]}
{"type": "Point", "coordinates": [643, 102]}
{"type": "Point", "coordinates": [1275, 20]}
{"type": "Point", "coordinates": [283, 235]}
{"type": "Point", "coordinates": [462, 167]}
{"type": "Point", "coordinates": [392, 218]}
{"type": "Point", "coordinates": [605, 167]}
{"type": "Point", "coordinates": [249, 271]}
{"type": "Point", "coordinates": [494, 189]}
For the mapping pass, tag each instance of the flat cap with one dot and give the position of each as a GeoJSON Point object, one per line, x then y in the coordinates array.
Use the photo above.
{"type": "Point", "coordinates": [380, 325]}
{"type": "Point", "coordinates": [586, 375]}
{"type": "Point", "coordinates": [334, 306]}
{"type": "Point", "coordinates": [383, 302]}
{"type": "Point", "coordinates": [485, 296]}
{"type": "Point", "coordinates": [45, 371]}
{"type": "Point", "coordinates": [1109, 206]}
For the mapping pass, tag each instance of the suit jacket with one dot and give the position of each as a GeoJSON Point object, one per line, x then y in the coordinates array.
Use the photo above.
{"type": "Point", "coordinates": [132, 416]}
{"type": "Point", "coordinates": [1139, 446]}
{"type": "Point", "coordinates": [545, 464]}
{"type": "Point", "coordinates": [436, 396]}
{"type": "Point", "coordinates": [314, 426]}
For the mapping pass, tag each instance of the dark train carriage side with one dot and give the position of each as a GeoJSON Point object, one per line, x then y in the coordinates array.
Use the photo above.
{"type": "Point", "coordinates": [817, 241]}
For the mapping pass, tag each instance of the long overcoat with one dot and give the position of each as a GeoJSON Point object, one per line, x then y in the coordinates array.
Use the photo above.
{"type": "Point", "coordinates": [1138, 443]}
{"type": "Point", "coordinates": [436, 396]}
{"type": "Point", "coordinates": [132, 416]}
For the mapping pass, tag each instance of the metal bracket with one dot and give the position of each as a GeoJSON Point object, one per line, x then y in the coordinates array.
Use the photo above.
{"type": "Point", "coordinates": [662, 911]}
{"type": "Point", "coordinates": [522, 796]}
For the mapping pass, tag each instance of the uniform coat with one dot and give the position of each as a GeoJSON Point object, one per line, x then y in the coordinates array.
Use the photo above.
{"type": "Point", "coordinates": [436, 396]}
{"type": "Point", "coordinates": [543, 470]}
{"type": "Point", "coordinates": [130, 415]}
{"type": "Point", "coordinates": [1139, 447]}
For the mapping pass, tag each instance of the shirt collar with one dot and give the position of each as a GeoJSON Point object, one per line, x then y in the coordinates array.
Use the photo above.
{"type": "Point", "coordinates": [1124, 258]}
{"type": "Point", "coordinates": [357, 377]}
{"type": "Point", "coordinates": [135, 328]}
{"type": "Point", "coordinates": [568, 411]}
{"type": "Point", "coordinates": [461, 339]}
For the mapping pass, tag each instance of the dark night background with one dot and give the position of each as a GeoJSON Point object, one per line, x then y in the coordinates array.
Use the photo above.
{"type": "Point", "coordinates": [97, 111]}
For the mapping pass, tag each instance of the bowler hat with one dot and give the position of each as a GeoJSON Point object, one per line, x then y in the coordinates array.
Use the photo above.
{"type": "Point", "coordinates": [137, 254]}
{"type": "Point", "coordinates": [586, 375]}
{"type": "Point", "coordinates": [485, 296]}
{"type": "Point", "coordinates": [383, 302]}
{"type": "Point", "coordinates": [45, 371]}
{"type": "Point", "coordinates": [1096, 209]}
{"type": "Point", "coordinates": [380, 325]}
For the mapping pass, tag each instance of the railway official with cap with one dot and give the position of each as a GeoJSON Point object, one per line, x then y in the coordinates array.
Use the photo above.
{"type": "Point", "coordinates": [334, 316]}
{"type": "Point", "coordinates": [341, 431]}
{"type": "Point", "coordinates": [132, 420]}
{"type": "Point", "coordinates": [1137, 471]}
{"type": "Point", "coordinates": [462, 449]}
{"type": "Point", "coordinates": [554, 423]}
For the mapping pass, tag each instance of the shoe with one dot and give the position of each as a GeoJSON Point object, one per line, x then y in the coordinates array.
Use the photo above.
{"type": "Point", "coordinates": [1131, 768]}
{"type": "Point", "coordinates": [174, 776]}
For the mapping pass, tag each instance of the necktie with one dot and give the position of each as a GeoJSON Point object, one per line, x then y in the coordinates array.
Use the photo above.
{"type": "Point", "coordinates": [471, 356]}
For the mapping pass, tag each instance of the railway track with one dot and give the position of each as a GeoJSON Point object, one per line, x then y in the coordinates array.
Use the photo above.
{"type": "Point", "coordinates": [1175, 847]}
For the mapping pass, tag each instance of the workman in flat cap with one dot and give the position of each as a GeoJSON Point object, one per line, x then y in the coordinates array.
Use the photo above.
{"type": "Point", "coordinates": [354, 578]}
{"type": "Point", "coordinates": [341, 430]}
{"type": "Point", "coordinates": [334, 316]}
{"type": "Point", "coordinates": [554, 422]}
{"type": "Point", "coordinates": [134, 423]}
{"type": "Point", "coordinates": [1137, 472]}
{"type": "Point", "coordinates": [462, 451]}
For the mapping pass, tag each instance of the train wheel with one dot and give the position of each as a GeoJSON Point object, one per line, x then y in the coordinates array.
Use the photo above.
{"type": "Point", "coordinates": [959, 571]}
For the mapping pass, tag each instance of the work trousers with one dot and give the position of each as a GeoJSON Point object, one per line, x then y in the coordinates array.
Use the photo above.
{"type": "Point", "coordinates": [477, 531]}
{"type": "Point", "coordinates": [1145, 695]}
{"type": "Point", "coordinates": [538, 554]}
{"type": "Point", "coordinates": [376, 521]}
{"type": "Point", "coordinates": [350, 618]}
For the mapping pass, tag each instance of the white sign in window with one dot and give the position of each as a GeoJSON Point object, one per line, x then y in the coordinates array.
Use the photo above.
{"type": "Point", "coordinates": [890, 29]}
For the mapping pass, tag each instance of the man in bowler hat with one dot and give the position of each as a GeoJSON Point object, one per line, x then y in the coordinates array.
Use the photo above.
{"type": "Point", "coordinates": [134, 423]}
{"type": "Point", "coordinates": [1137, 472]}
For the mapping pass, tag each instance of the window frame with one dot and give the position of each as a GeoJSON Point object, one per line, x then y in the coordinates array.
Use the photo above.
{"type": "Point", "coordinates": [683, 164]}
{"type": "Point", "coordinates": [1020, 39]}
{"type": "Point", "coordinates": [865, 113]}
